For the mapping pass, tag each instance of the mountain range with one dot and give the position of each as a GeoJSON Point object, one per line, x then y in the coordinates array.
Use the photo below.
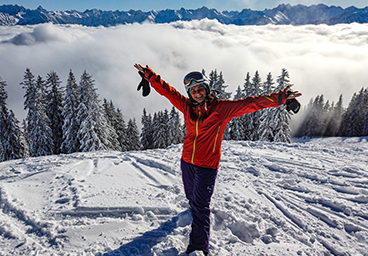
{"type": "Point", "coordinates": [284, 14]}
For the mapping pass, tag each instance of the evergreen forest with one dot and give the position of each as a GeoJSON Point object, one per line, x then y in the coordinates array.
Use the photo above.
{"type": "Point", "coordinates": [71, 118]}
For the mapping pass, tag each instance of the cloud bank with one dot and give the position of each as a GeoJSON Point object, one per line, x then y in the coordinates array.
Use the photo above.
{"type": "Point", "coordinates": [328, 60]}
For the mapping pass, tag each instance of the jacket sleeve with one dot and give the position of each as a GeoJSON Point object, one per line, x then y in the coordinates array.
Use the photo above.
{"type": "Point", "coordinates": [237, 108]}
{"type": "Point", "coordinates": [164, 89]}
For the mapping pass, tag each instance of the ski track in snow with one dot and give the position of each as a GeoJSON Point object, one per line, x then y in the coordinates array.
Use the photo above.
{"type": "Point", "coordinates": [309, 197]}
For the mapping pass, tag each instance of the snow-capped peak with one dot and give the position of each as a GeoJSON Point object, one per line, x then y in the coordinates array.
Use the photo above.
{"type": "Point", "coordinates": [282, 14]}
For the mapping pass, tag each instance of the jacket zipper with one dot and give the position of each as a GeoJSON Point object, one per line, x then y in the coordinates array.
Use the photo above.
{"type": "Point", "coordinates": [214, 146]}
{"type": "Point", "coordinates": [197, 133]}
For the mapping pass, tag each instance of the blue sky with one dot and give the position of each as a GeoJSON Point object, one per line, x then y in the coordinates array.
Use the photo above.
{"type": "Point", "coordinates": [147, 5]}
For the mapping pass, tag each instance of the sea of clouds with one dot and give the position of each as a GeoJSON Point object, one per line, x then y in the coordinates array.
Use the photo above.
{"type": "Point", "coordinates": [328, 60]}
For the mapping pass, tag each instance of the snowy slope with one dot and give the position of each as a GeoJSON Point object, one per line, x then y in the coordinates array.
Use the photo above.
{"type": "Point", "coordinates": [309, 197]}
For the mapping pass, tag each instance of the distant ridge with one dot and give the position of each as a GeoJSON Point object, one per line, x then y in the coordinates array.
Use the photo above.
{"type": "Point", "coordinates": [284, 14]}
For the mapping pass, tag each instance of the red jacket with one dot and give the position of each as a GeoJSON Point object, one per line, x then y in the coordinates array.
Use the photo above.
{"type": "Point", "coordinates": [206, 123]}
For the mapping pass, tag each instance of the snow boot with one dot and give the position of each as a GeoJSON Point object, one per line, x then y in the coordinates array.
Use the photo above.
{"type": "Point", "coordinates": [189, 251]}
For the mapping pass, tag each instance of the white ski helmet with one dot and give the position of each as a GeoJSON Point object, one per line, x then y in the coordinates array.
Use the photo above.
{"type": "Point", "coordinates": [194, 78]}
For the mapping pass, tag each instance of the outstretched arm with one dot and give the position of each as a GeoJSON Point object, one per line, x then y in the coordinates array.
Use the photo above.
{"type": "Point", "coordinates": [163, 88]}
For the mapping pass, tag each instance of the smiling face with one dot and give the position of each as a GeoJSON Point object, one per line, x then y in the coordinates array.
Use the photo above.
{"type": "Point", "coordinates": [198, 93]}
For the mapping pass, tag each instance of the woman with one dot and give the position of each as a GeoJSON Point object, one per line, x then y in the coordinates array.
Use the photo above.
{"type": "Point", "coordinates": [205, 118]}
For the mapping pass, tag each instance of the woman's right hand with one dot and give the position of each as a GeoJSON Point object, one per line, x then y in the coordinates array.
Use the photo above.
{"type": "Point", "coordinates": [139, 67]}
{"type": "Point", "coordinates": [292, 95]}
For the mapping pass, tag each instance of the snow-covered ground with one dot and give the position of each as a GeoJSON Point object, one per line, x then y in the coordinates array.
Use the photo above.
{"type": "Point", "coordinates": [309, 197]}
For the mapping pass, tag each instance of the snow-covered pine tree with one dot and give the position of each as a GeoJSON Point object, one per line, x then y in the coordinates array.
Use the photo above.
{"type": "Point", "coordinates": [256, 89]}
{"type": "Point", "coordinates": [3, 118]}
{"type": "Point", "coordinates": [266, 130]}
{"type": "Point", "coordinates": [160, 130]}
{"type": "Point", "coordinates": [1, 150]}
{"type": "Point", "coordinates": [324, 115]}
{"type": "Point", "coordinates": [170, 128]}
{"type": "Point", "coordinates": [365, 120]}
{"type": "Point", "coordinates": [318, 122]}
{"type": "Point", "coordinates": [268, 86]}
{"type": "Point", "coordinates": [326, 112]}
{"type": "Point", "coordinates": [239, 94]}
{"type": "Point", "coordinates": [247, 120]}
{"type": "Point", "coordinates": [236, 128]}
{"type": "Point", "coordinates": [217, 84]}
{"type": "Point", "coordinates": [352, 123]}
{"type": "Point", "coordinates": [54, 109]}
{"type": "Point", "coordinates": [12, 143]}
{"type": "Point", "coordinates": [343, 128]}
{"type": "Point", "coordinates": [29, 84]}
{"type": "Point", "coordinates": [155, 126]}
{"type": "Point", "coordinates": [165, 120]}
{"type": "Point", "coordinates": [15, 145]}
{"type": "Point", "coordinates": [26, 137]}
{"type": "Point", "coordinates": [23, 140]}
{"type": "Point", "coordinates": [70, 126]}
{"type": "Point", "coordinates": [212, 77]}
{"type": "Point", "coordinates": [360, 116]}
{"type": "Point", "coordinates": [133, 135]}
{"type": "Point", "coordinates": [335, 118]}
{"type": "Point", "coordinates": [316, 118]}
{"type": "Point", "coordinates": [256, 85]}
{"type": "Point", "coordinates": [38, 129]}
{"type": "Point", "coordinates": [247, 86]}
{"type": "Point", "coordinates": [121, 130]}
{"type": "Point", "coordinates": [165, 127]}
{"type": "Point", "coordinates": [313, 124]}
{"type": "Point", "coordinates": [175, 130]}
{"type": "Point", "coordinates": [328, 115]}
{"type": "Point", "coordinates": [93, 133]}
{"type": "Point", "coordinates": [108, 108]}
{"type": "Point", "coordinates": [147, 131]}
{"type": "Point", "coordinates": [303, 129]}
{"type": "Point", "coordinates": [282, 116]}
{"type": "Point", "coordinates": [110, 114]}
{"type": "Point", "coordinates": [41, 136]}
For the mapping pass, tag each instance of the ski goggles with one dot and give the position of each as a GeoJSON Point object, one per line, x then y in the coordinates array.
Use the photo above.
{"type": "Point", "coordinates": [194, 78]}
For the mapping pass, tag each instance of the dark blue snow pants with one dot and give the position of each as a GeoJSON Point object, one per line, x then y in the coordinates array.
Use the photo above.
{"type": "Point", "coordinates": [199, 184]}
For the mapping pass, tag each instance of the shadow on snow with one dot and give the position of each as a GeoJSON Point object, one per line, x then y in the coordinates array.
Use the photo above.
{"type": "Point", "coordinates": [143, 244]}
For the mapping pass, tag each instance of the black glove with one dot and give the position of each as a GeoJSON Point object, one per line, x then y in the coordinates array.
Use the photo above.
{"type": "Point", "coordinates": [144, 84]}
{"type": "Point", "coordinates": [292, 104]}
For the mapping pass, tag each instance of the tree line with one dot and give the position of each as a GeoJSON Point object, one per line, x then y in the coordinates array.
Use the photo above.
{"type": "Point", "coordinates": [322, 118]}
{"type": "Point", "coordinates": [72, 119]}
{"type": "Point", "coordinates": [271, 124]}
